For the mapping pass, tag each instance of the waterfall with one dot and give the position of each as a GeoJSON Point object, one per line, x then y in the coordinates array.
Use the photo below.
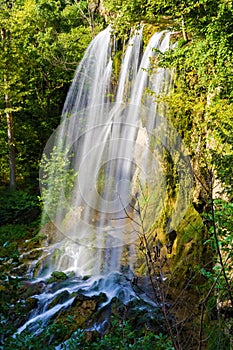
{"type": "Point", "coordinates": [103, 157]}
{"type": "Point", "coordinates": [102, 178]}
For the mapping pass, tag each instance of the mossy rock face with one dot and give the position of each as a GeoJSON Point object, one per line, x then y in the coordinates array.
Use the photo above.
{"type": "Point", "coordinates": [149, 29]}
{"type": "Point", "coordinates": [21, 314]}
{"type": "Point", "coordinates": [20, 296]}
{"type": "Point", "coordinates": [178, 252]}
{"type": "Point", "coordinates": [57, 276]}
{"type": "Point", "coordinates": [21, 245]}
{"type": "Point", "coordinates": [50, 231]}
{"type": "Point", "coordinates": [83, 309]}
{"type": "Point", "coordinates": [190, 237]}
{"type": "Point", "coordinates": [188, 250]}
{"type": "Point", "coordinates": [36, 241]}
{"type": "Point", "coordinates": [59, 299]}
{"type": "Point", "coordinates": [139, 314]}
{"type": "Point", "coordinates": [72, 217]}
{"type": "Point", "coordinates": [28, 289]}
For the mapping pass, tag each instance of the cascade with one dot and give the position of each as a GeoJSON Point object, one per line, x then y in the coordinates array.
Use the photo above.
{"type": "Point", "coordinates": [101, 176]}
{"type": "Point", "coordinates": [105, 147]}
{"type": "Point", "coordinates": [101, 158]}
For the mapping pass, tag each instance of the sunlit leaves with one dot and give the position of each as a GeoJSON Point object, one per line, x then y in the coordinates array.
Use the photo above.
{"type": "Point", "coordinates": [44, 41]}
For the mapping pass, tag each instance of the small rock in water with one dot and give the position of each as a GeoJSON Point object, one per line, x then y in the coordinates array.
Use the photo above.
{"type": "Point", "coordinates": [57, 276]}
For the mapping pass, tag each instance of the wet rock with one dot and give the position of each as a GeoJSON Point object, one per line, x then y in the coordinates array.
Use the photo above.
{"type": "Point", "coordinates": [20, 270]}
{"type": "Point", "coordinates": [36, 242]}
{"type": "Point", "coordinates": [57, 276]}
{"type": "Point", "coordinates": [100, 322]}
{"type": "Point", "coordinates": [28, 289]}
{"type": "Point", "coordinates": [51, 232]}
{"type": "Point", "coordinates": [59, 299]}
{"type": "Point", "coordinates": [82, 310]}
{"type": "Point", "coordinates": [32, 254]}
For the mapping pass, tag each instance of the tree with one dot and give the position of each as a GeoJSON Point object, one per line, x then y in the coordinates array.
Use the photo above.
{"type": "Point", "coordinates": [5, 45]}
{"type": "Point", "coordinates": [44, 43]}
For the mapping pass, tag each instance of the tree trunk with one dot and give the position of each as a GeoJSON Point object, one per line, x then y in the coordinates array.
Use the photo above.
{"type": "Point", "coordinates": [10, 138]}
{"type": "Point", "coordinates": [10, 133]}
{"type": "Point", "coordinates": [185, 37]}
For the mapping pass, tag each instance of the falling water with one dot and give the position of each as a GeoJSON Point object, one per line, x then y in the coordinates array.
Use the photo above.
{"type": "Point", "coordinates": [101, 176]}
{"type": "Point", "coordinates": [101, 159]}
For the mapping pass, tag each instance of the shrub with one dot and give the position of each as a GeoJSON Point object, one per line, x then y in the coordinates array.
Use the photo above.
{"type": "Point", "coordinates": [17, 207]}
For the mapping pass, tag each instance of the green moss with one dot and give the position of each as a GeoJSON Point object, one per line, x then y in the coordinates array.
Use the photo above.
{"type": "Point", "coordinates": [117, 59]}
{"type": "Point", "coordinates": [190, 232]}
{"type": "Point", "coordinates": [57, 276]}
{"type": "Point", "coordinates": [149, 29]}
{"type": "Point", "coordinates": [188, 252]}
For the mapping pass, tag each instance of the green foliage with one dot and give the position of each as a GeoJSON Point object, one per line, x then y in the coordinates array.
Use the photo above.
{"type": "Point", "coordinates": [200, 105]}
{"type": "Point", "coordinates": [8, 295]}
{"type": "Point", "coordinates": [19, 215]}
{"type": "Point", "coordinates": [218, 298]}
{"type": "Point", "coordinates": [199, 17]}
{"type": "Point", "coordinates": [121, 336]}
{"type": "Point", "coordinates": [44, 41]}
{"type": "Point", "coordinates": [223, 216]}
{"type": "Point", "coordinates": [57, 179]}
{"type": "Point", "coordinates": [13, 239]}
{"type": "Point", "coordinates": [10, 237]}
{"type": "Point", "coordinates": [38, 57]}
{"type": "Point", "coordinates": [51, 337]}
{"type": "Point", "coordinates": [129, 14]}
{"type": "Point", "coordinates": [17, 207]}
{"type": "Point", "coordinates": [221, 138]}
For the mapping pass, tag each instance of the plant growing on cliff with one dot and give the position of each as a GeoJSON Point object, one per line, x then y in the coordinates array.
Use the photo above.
{"type": "Point", "coordinates": [57, 179]}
